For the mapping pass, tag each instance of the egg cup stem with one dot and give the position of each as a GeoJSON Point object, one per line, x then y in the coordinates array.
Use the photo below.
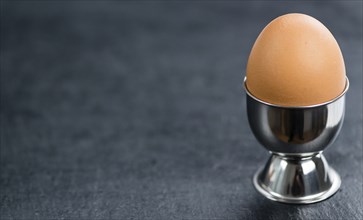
{"type": "Point", "coordinates": [297, 179]}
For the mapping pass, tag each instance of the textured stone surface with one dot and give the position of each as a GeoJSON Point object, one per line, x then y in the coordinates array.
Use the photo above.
{"type": "Point", "coordinates": [136, 111]}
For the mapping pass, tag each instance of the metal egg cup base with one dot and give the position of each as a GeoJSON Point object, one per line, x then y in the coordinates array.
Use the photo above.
{"type": "Point", "coordinates": [297, 180]}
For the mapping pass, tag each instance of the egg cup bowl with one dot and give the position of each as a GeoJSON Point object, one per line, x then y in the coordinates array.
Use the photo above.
{"type": "Point", "coordinates": [296, 171]}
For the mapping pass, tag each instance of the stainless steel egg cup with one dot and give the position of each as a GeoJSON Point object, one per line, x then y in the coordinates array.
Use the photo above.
{"type": "Point", "coordinates": [296, 172]}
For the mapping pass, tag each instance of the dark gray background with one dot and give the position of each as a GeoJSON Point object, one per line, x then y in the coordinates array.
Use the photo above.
{"type": "Point", "coordinates": [136, 110]}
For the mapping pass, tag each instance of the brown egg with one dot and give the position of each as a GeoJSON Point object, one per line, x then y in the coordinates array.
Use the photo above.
{"type": "Point", "coordinates": [295, 61]}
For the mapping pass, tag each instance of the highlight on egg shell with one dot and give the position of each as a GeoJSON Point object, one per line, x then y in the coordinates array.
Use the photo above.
{"type": "Point", "coordinates": [295, 61]}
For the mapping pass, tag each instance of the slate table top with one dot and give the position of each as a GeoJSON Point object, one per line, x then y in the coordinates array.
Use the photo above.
{"type": "Point", "coordinates": [135, 110]}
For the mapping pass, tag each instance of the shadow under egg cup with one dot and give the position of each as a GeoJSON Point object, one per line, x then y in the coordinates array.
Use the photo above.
{"type": "Point", "coordinates": [296, 172]}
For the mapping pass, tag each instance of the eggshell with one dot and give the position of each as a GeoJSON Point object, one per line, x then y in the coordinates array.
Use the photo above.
{"type": "Point", "coordinates": [295, 61]}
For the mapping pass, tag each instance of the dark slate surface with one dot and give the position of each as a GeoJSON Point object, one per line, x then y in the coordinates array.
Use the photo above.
{"type": "Point", "coordinates": [136, 111]}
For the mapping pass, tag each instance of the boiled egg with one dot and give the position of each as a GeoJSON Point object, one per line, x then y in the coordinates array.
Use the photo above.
{"type": "Point", "coordinates": [295, 61]}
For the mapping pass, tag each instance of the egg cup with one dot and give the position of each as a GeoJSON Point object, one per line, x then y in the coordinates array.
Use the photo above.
{"type": "Point", "coordinates": [297, 171]}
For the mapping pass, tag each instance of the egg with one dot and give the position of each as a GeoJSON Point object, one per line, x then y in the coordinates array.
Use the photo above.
{"type": "Point", "coordinates": [295, 61]}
